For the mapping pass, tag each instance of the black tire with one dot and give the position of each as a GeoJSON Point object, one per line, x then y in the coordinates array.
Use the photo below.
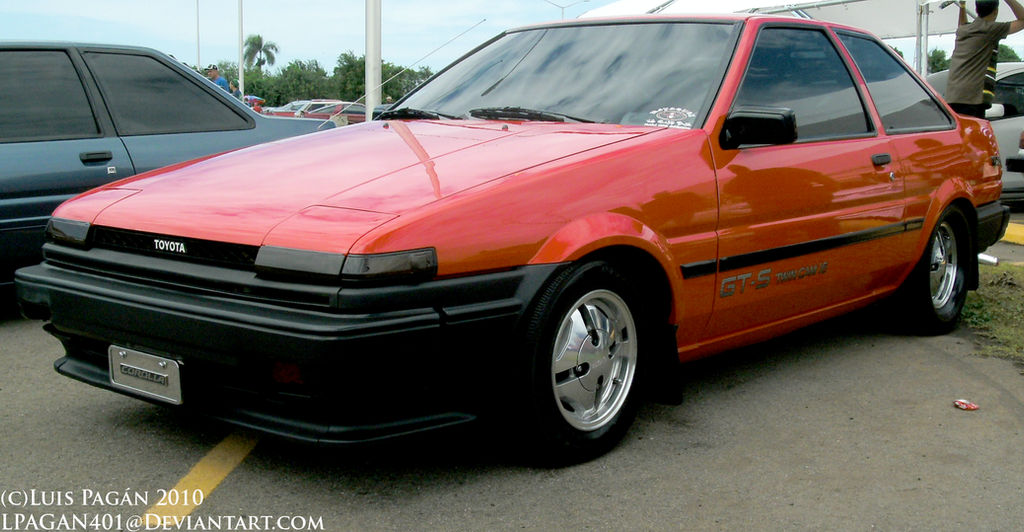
{"type": "Point", "coordinates": [583, 396]}
{"type": "Point", "coordinates": [934, 292]}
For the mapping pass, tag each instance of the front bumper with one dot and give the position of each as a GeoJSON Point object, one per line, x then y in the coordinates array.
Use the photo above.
{"type": "Point", "coordinates": [378, 362]}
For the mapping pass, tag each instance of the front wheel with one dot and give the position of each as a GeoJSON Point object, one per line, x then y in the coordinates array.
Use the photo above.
{"type": "Point", "coordinates": [582, 347]}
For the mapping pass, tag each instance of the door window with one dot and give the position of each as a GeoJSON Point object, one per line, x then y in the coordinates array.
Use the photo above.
{"type": "Point", "coordinates": [147, 97]}
{"type": "Point", "coordinates": [799, 69]}
{"type": "Point", "coordinates": [904, 105]}
{"type": "Point", "coordinates": [42, 98]}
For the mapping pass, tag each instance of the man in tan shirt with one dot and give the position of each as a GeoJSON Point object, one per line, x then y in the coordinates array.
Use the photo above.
{"type": "Point", "coordinates": [972, 69]}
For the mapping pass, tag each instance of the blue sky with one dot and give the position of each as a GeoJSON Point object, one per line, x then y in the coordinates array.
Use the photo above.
{"type": "Point", "coordinates": [304, 29]}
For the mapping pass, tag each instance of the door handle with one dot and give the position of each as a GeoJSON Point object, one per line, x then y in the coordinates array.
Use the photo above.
{"type": "Point", "coordinates": [95, 156]}
{"type": "Point", "coordinates": [881, 159]}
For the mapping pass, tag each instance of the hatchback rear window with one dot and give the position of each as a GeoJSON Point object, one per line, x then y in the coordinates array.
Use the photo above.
{"type": "Point", "coordinates": [146, 97]}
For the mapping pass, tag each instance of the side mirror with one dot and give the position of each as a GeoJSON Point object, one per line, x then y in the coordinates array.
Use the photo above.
{"type": "Point", "coordinates": [996, 111]}
{"type": "Point", "coordinates": [758, 125]}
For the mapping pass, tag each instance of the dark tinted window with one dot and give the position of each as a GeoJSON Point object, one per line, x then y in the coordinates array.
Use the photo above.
{"type": "Point", "coordinates": [1010, 93]}
{"type": "Point", "coordinates": [147, 97]}
{"type": "Point", "coordinates": [41, 97]}
{"type": "Point", "coordinates": [801, 70]}
{"type": "Point", "coordinates": [659, 74]}
{"type": "Point", "coordinates": [903, 104]}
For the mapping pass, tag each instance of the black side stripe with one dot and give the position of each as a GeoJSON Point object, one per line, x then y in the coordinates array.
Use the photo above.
{"type": "Point", "coordinates": [699, 269]}
{"type": "Point", "coordinates": [747, 260]}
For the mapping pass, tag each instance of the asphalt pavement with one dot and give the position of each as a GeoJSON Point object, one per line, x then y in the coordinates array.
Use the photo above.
{"type": "Point", "coordinates": [842, 426]}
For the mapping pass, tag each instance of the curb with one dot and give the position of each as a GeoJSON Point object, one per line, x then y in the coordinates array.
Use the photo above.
{"type": "Point", "coordinates": [1014, 234]}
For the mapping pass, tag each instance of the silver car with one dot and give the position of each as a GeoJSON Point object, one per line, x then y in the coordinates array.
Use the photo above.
{"type": "Point", "coordinates": [1007, 117]}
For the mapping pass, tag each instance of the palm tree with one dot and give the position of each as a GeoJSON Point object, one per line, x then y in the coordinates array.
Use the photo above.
{"type": "Point", "coordinates": [259, 52]}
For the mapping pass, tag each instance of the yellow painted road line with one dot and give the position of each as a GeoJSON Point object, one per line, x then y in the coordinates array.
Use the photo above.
{"type": "Point", "coordinates": [204, 477]}
{"type": "Point", "coordinates": [1014, 234]}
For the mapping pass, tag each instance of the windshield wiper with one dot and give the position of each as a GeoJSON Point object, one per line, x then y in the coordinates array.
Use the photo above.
{"type": "Point", "coordinates": [522, 113]}
{"type": "Point", "coordinates": [410, 112]}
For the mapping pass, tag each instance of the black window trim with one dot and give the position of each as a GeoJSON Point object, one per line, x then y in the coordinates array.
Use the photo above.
{"type": "Point", "coordinates": [873, 130]}
{"type": "Point", "coordinates": [178, 69]}
{"type": "Point", "coordinates": [939, 102]}
{"type": "Point", "coordinates": [103, 127]}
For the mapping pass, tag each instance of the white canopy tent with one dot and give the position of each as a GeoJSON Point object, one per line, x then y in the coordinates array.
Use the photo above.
{"type": "Point", "coordinates": [888, 19]}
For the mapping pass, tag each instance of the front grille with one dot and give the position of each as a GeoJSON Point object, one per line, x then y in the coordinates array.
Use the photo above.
{"type": "Point", "coordinates": [238, 256]}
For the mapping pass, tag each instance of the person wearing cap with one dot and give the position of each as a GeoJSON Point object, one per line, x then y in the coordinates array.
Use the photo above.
{"type": "Point", "coordinates": [213, 73]}
{"type": "Point", "coordinates": [972, 68]}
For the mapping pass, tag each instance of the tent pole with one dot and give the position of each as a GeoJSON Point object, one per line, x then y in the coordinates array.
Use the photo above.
{"type": "Point", "coordinates": [924, 38]}
{"type": "Point", "coordinates": [918, 55]}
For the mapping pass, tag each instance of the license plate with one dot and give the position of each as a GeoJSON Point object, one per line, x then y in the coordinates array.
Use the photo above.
{"type": "Point", "coordinates": [145, 374]}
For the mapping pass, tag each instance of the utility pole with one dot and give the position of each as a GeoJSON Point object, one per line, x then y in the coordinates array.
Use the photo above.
{"type": "Point", "coordinates": [373, 56]}
{"type": "Point", "coordinates": [241, 65]}
{"type": "Point", "coordinates": [199, 63]}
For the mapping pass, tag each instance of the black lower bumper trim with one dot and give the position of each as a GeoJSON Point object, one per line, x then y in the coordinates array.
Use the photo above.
{"type": "Point", "coordinates": [288, 427]}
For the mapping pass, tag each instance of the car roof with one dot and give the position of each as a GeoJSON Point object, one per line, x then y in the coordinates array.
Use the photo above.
{"type": "Point", "coordinates": [11, 45]}
{"type": "Point", "coordinates": [699, 17]}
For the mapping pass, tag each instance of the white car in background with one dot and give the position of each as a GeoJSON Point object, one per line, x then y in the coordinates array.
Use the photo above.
{"type": "Point", "coordinates": [1007, 117]}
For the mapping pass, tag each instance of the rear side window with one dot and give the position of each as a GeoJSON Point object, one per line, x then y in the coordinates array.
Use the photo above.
{"type": "Point", "coordinates": [147, 97]}
{"type": "Point", "coordinates": [800, 69]}
{"type": "Point", "coordinates": [41, 98]}
{"type": "Point", "coordinates": [904, 105]}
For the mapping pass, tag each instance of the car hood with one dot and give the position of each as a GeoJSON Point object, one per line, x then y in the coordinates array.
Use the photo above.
{"type": "Point", "coordinates": [341, 182]}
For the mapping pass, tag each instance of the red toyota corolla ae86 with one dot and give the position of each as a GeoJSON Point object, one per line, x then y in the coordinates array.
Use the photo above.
{"type": "Point", "coordinates": [542, 232]}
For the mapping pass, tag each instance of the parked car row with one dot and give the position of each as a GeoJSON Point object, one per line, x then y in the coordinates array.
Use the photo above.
{"type": "Point", "coordinates": [297, 107]}
{"type": "Point", "coordinates": [122, 111]}
{"type": "Point", "coordinates": [541, 233]}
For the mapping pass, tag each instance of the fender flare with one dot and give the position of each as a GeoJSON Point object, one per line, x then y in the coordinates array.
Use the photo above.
{"type": "Point", "coordinates": [595, 232]}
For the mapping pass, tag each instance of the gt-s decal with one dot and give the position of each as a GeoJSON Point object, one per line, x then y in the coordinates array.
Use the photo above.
{"type": "Point", "coordinates": [763, 279]}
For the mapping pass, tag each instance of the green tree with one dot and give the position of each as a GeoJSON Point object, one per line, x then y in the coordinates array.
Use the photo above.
{"type": "Point", "coordinates": [265, 86]}
{"type": "Point", "coordinates": [937, 61]}
{"type": "Point", "coordinates": [349, 79]}
{"type": "Point", "coordinates": [1006, 54]}
{"type": "Point", "coordinates": [303, 80]}
{"type": "Point", "coordinates": [258, 52]}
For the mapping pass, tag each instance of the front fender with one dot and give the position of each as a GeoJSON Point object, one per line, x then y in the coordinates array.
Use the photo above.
{"type": "Point", "coordinates": [593, 233]}
{"type": "Point", "coordinates": [586, 235]}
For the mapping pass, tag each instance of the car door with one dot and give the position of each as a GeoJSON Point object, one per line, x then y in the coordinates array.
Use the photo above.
{"type": "Point", "coordinates": [806, 226]}
{"type": "Point", "coordinates": [923, 135]}
{"type": "Point", "coordinates": [52, 146]}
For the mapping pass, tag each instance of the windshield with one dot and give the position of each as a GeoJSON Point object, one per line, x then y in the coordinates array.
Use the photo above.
{"type": "Point", "coordinates": [661, 74]}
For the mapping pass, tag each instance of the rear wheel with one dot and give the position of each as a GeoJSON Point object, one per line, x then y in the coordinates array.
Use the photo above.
{"type": "Point", "coordinates": [936, 290]}
{"type": "Point", "coordinates": [582, 346]}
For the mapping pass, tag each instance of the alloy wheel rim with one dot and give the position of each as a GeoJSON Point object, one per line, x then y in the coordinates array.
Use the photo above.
{"type": "Point", "coordinates": [943, 266]}
{"type": "Point", "coordinates": [594, 360]}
